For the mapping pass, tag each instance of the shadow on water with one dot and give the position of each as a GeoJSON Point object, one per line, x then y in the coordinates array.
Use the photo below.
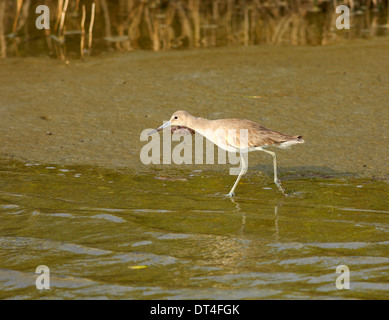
{"type": "Point", "coordinates": [110, 234]}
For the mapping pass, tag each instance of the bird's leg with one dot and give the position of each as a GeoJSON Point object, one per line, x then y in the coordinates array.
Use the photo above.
{"type": "Point", "coordinates": [276, 181]}
{"type": "Point", "coordinates": [242, 172]}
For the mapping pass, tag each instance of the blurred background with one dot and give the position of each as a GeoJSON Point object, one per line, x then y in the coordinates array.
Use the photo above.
{"type": "Point", "coordinates": [79, 27]}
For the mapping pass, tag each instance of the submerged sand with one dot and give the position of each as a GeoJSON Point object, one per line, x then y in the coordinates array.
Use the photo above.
{"type": "Point", "coordinates": [92, 112]}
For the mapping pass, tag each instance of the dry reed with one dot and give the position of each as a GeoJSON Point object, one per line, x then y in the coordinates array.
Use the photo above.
{"type": "Point", "coordinates": [91, 23]}
{"type": "Point", "coordinates": [17, 15]}
{"type": "Point", "coordinates": [162, 25]}
{"type": "Point", "coordinates": [83, 17]}
{"type": "Point", "coordinates": [3, 43]}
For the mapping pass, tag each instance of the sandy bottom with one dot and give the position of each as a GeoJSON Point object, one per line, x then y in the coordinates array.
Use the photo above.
{"type": "Point", "coordinates": [92, 113]}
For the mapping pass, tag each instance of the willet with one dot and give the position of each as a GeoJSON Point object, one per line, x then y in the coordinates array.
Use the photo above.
{"type": "Point", "coordinates": [218, 131]}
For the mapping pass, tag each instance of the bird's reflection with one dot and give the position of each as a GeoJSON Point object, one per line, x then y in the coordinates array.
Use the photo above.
{"type": "Point", "coordinates": [277, 231]}
{"type": "Point", "coordinates": [276, 209]}
{"type": "Point", "coordinates": [243, 214]}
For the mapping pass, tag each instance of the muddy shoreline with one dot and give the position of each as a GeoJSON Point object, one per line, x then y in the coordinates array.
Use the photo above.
{"type": "Point", "coordinates": [92, 112]}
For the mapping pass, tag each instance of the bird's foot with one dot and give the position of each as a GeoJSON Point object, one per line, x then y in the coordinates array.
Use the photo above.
{"type": "Point", "coordinates": [279, 185]}
{"type": "Point", "coordinates": [230, 195]}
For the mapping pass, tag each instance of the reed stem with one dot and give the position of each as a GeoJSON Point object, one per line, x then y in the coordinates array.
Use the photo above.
{"type": "Point", "coordinates": [82, 31]}
{"type": "Point", "coordinates": [91, 23]}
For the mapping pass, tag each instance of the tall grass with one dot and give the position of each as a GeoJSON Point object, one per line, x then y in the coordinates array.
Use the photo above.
{"type": "Point", "coordinates": [157, 25]}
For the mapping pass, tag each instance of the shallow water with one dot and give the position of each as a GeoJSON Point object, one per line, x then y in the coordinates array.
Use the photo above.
{"type": "Point", "coordinates": [108, 233]}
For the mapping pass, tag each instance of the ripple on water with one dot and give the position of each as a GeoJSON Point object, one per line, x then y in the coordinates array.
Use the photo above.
{"type": "Point", "coordinates": [109, 217]}
{"type": "Point", "coordinates": [92, 234]}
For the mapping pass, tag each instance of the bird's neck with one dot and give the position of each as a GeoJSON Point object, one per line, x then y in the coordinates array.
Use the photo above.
{"type": "Point", "coordinates": [197, 123]}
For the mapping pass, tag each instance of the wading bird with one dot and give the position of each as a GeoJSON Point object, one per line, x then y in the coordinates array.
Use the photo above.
{"type": "Point", "coordinates": [227, 134]}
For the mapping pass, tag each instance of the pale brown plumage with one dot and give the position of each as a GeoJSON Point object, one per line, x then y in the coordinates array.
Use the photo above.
{"type": "Point", "coordinates": [226, 133]}
{"type": "Point", "coordinates": [258, 135]}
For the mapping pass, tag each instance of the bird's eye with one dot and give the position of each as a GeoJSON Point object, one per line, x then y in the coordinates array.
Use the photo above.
{"type": "Point", "coordinates": [175, 117]}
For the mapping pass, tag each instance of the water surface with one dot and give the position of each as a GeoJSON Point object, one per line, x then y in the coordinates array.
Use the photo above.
{"type": "Point", "coordinates": [108, 233]}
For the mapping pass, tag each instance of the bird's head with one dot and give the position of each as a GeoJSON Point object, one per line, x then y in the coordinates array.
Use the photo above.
{"type": "Point", "coordinates": [178, 119]}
